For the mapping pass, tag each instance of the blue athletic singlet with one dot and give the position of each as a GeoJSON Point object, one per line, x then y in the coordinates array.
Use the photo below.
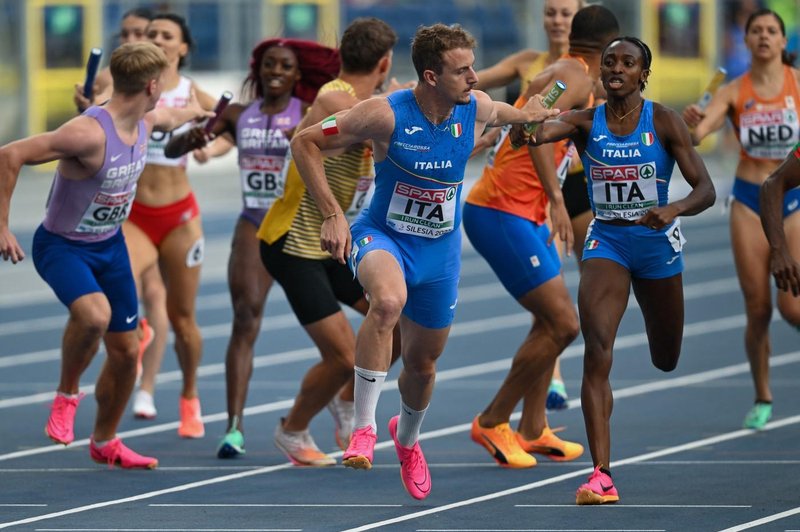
{"type": "Point", "coordinates": [627, 176]}
{"type": "Point", "coordinates": [415, 212]}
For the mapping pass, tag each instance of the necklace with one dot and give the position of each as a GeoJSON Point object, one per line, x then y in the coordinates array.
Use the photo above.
{"type": "Point", "coordinates": [445, 124]}
{"type": "Point", "coordinates": [621, 118]}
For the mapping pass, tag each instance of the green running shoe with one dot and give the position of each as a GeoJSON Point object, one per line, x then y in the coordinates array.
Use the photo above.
{"type": "Point", "coordinates": [231, 445]}
{"type": "Point", "coordinates": [758, 416]}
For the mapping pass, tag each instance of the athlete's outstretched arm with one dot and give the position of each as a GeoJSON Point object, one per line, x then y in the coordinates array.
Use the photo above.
{"type": "Point", "coordinates": [564, 126]}
{"type": "Point", "coordinates": [371, 119]}
{"type": "Point", "coordinates": [705, 122]}
{"type": "Point", "coordinates": [784, 267]}
{"type": "Point", "coordinates": [493, 113]}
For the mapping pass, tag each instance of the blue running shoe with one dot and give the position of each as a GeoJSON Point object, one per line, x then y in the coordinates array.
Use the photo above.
{"type": "Point", "coordinates": [231, 445]}
{"type": "Point", "coordinates": [556, 396]}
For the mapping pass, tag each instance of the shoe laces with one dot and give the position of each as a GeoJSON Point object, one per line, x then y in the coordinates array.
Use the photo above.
{"type": "Point", "coordinates": [507, 435]}
{"type": "Point", "coordinates": [113, 451]}
{"type": "Point", "coordinates": [363, 440]}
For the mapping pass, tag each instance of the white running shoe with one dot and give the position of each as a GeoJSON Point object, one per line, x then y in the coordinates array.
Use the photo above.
{"type": "Point", "coordinates": [300, 448]}
{"type": "Point", "coordinates": [143, 405]}
{"type": "Point", "coordinates": [344, 416]}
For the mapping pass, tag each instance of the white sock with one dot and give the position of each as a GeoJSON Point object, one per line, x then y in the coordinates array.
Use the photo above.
{"type": "Point", "coordinates": [409, 424]}
{"type": "Point", "coordinates": [70, 395]}
{"type": "Point", "coordinates": [367, 390]}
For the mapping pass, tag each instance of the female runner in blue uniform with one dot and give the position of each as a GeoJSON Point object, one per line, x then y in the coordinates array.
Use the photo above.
{"type": "Point", "coordinates": [629, 146]}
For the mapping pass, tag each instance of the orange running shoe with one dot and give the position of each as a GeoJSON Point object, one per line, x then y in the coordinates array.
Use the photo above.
{"type": "Point", "coordinates": [598, 489]}
{"type": "Point", "coordinates": [148, 335]}
{"type": "Point", "coordinates": [502, 445]}
{"type": "Point", "coordinates": [300, 448]}
{"type": "Point", "coordinates": [191, 422]}
{"type": "Point", "coordinates": [551, 446]}
{"type": "Point", "coordinates": [114, 452]}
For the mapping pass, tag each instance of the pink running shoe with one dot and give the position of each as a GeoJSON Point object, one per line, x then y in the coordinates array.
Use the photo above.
{"type": "Point", "coordinates": [413, 468]}
{"type": "Point", "coordinates": [60, 425]}
{"type": "Point", "coordinates": [362, 445]}
{"type": "Point", "coordinates": [114, 452]}
{"type": "Point", "coordinates": [599, 489]}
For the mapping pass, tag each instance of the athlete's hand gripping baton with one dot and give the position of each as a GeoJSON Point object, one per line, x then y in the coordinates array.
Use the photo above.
{"type": "Point", "coordinates": [223, 102]}
{"type": "Point", "coordinates": [548, 101]}
{"type": "Point", "coordinates": [713, 85]}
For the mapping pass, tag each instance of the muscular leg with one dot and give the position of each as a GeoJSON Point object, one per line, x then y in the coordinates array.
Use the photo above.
{"type": "Point", "coordinates": [144, 266]}
{"type": "Point", "coordinates": [382, 279]}
{"type": "Point", "coordinates": [751, 255]}
{"type": "Point", "coordinates": [249, 284]}
{"type": "Point", "coordinates": [421, 348]}
{"type": "Point", "coordinates": [154, 299]}
{"type": "Point", "coordinates": [336, 342]}
{"type": "Point", "coordinates": [89, 316]}
{"type": "Point", "coordinates": [602, 300]}
{"type": "Point", "coordinates": [661, 301]}
{"type": "Point", "coordinates": [115, 383]}
{"type": "Point", "coordinates": [555, 325]}
{"type": "Point", "coordinates": [182, 281]}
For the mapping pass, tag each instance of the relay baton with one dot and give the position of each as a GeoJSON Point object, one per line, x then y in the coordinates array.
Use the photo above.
{"type": "Point", "coordinates": [713, 85]}
{"type": "Point", "coordinates": [548, 101]}
{"type": "Point", "coordinates": [91, 72]}
{"type": "Point", "coordinates": [223, 102]}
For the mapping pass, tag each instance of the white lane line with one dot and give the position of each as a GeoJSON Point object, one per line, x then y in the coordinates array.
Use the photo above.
{"type": "Point", "coordinates": [540, 530]}
{"type": "Point", "coordinates": [763, 520]}
{"type": "Point", "coordinates": [206, 505]}
{"type": "Point", "coordinates": [21, 505]}
{"type": "Point", "coordinates": [580, 473]}
{"type": "Point", "coordinates": [435, 434]}
{"type": "Point", "coordinates": [466, 294]}
{"type": "Point", "coordinates": [507, 321]}
{"type": "Point", "coordinates": [634, 340]}
{"type": "Point", "coordinates": [637, 506]}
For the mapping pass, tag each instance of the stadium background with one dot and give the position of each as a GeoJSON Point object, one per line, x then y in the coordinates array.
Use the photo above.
{"type": "Point", "coordinates": [44, 43]}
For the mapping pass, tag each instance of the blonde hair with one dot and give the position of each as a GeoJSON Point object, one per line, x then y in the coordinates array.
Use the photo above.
{"type": "Point", "coordinates": [133, 65]}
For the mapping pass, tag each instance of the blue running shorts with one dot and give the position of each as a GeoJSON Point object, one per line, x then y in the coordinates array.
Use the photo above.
{"type": "Point", "coordinates": [431, 268]}
{"type": "Point", "coordinates": [646, 253]}
{"type": "Point", "coordinates": [514, 247]}
{"type": "Point", "coordinates": [73, 269]}
{"type": "Point", "coordinates": [747, 194]}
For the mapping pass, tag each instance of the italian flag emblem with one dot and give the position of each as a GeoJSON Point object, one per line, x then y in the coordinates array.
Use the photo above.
{"type": "Point", "coordinates": [329, 126]}
{"type": "Point", "coordinates": [364, 241]}
{"type": "Point", "coordinates": [592, 244]}
{"type": "Point", "coordinates": [648, 139]}
{"type": "Point", "coordinates": [456, 130]}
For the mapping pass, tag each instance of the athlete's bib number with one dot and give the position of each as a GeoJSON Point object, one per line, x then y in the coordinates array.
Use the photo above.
{"type": "Point", "coordinates": [769, 134]}
{"type": "Point", "coordinates": [624, 192]}
{"type": "Point", "coordinates": [422, 211]}
{"type": "Point", "coordinates": [263, 179]}
{"type": "Point", "coordinates": [675, 236]}
{"type": "Point", "coordinates": [106, 212]}
{"type": "Point", "coordinates": [361, 198]}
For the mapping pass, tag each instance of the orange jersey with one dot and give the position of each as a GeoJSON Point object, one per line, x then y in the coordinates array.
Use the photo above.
{"type": "Point", "coordinates": [509, 182]}
{"type": "Point", "coordinates": [768, 129]}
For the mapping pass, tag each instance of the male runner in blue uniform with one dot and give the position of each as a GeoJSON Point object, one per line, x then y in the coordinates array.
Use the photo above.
{"type": "Point", "coordinates": [406, 247]}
